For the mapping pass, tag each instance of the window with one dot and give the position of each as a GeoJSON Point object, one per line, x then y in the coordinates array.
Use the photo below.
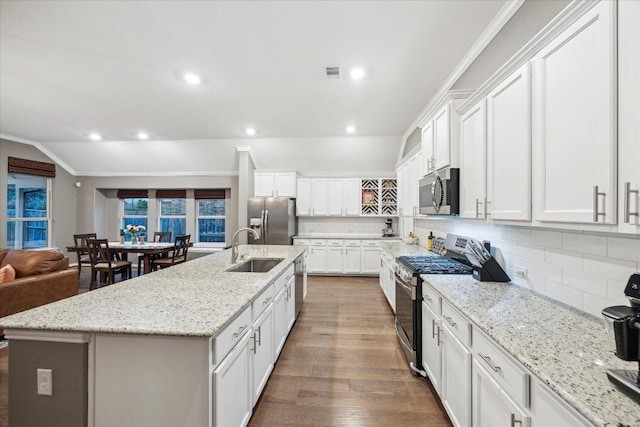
{"type": "Point", "coordinates": [173, 211]}
{"type": "Point", "coordinates": [134, 208]}
{"type": "Point", "coordinates": [210, 216]}
{"type": "Point", "coordinates": [28, 198]}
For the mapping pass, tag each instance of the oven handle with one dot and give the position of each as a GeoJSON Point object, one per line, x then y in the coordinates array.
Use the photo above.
{"type": "Point", "coordinates": [410, 289]}
{"type": "Point", "coordinates": [401, 338]}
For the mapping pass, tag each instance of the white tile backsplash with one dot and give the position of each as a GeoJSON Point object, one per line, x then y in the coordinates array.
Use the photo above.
{"type": "Point", "coordinates": [338, 226]}
{"type": "Point", "coordinates": [586, 271]}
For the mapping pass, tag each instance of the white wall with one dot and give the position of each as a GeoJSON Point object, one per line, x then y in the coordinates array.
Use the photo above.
{"type": "Point", "coordinates": [585, 270]}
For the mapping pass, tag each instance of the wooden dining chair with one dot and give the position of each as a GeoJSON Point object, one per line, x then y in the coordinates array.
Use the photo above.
{"type": "Point", "coordinates": [102, 262]}
{"type": "Point", "coordinates": [80, 242]}
{"type": "Point", "coordinates": [178, 254]}
{"type": "Point", "coordinates": [158, 236]}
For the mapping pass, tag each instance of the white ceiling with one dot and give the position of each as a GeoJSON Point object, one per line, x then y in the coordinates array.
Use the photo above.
{"type": "Point", "coordinates": [68, 68]}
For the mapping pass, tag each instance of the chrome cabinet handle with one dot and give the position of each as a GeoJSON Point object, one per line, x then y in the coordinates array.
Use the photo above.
{"type": "Point", "coordinates": [433, 328]}
{"type": "Point", "coordinates": [514, 421]}
{"type": "Point", "coordinates": [237, 334]}
{"type": "Point", "coordinates": [428, 298]}
{"type": "Point", "coordinates": [267, 301]}
{"type": "Point", "coordinates": [255, 345]}
{"type": "Point", "coordinates": [488, 361]}
{"type": "Point", "coordinates": [627, 202]}
{"type": "Point", "coordinates": [259, 331]}
{"type": "Point", "coordinates": [486, 206]}
{"type": "Point", "coordinates": [439, 341]}
{"type": "Point", "coordinates": [450, 321]}
{"type": "Point", "coordinates": [478, 202]}
{"type": "Point", "coordinates": [596, 209]}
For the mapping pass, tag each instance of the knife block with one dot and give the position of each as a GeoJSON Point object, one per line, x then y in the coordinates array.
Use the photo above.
{"type": "Point", "coordinates": [490, 271]}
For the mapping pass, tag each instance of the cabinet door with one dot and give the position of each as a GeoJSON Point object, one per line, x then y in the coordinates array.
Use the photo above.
{"type": "Point", "coordinates": [290, 316]}
{"type": "Point", "coordinates": [285, 184]}
{"type": "Point", "coordinates": [574, 122]}
{"type": "Point", "coordinates": [319, 196]}
{"type": "Point", "coordinates": [370, 260]}
{"type": "Point", "coordinates": [427, 149]}
{"type": "Point", "coordinates": [335, 256]}
{"type": "Point", "coordinates": [263, 184]}
{"type": "Point", "coordinates": [509, 148]}
{"type": "Point", "coordinates": [303, 201]}
{"type": "Point", "coordinates": [317, 259]}
{"type": "Point", "coordinates": [279, 321]}
{"type": "Point", "coordinates": [412, 187]}
{"type": "Point", "coordinates": [492, 407]}
{"type": "Point", "coordinates": [628, 115]}
{"type": "Point", "coordinates": [232, 402]}
{"type": "Point", "coordinates": [456, 379]}
{"type": "Point", "coordinates": [473, 171]}
{"type": "Point", "coordinates": [352, 260]}
{"type": "Point", "coordinates": [442, 138]}
{"type": "Point", "coordinates": [263, 355]}
{"type": "Point", "coordinates": [351, 201]}
{"type": "Point", "coordinates": [401, 189]}
{"type": "Point", "coordinates": [335, 205]}
{"type": "Point", "coordinates": [431, 351]}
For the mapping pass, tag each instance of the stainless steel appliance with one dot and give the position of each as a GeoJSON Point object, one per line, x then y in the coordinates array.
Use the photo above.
{"type": "Point", "coordinates": [274, 218]}
{"type": "Point", "coordinates": [439, 193]}
{"type": "Point", "coordinates": [623, 327]}
{"type": "Point", "coordinates": [387, 231]}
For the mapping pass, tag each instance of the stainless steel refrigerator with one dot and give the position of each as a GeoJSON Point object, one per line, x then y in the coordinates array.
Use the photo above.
{"type": "Point", "coordinates": [275, 219]}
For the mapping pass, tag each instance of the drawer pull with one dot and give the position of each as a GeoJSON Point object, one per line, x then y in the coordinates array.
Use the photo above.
{"type": "Point", "coordinates": [488, 361]}
{"type": "Point", "coordinates": [259, 332]}
{"type": "Point", "coordinates": [428, 298]}
{"type": "Point", "coordinates": [255, 344]}
{"type": "Point", "coordinates": [237, 334]}
{"type": "Point", "coordinates": [514, 421]}
{"type": "Point", "coordinates": [450, 321]}
{"type": "Point", "coordinates": [433, 328]}
{"type": "Point", "coordinates": [267, 301]}
{"type": "Point", "coordinates": [439, 341]}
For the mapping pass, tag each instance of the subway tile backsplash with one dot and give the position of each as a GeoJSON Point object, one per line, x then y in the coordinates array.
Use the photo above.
{"type": "Point", "coordinates": [586, 271]}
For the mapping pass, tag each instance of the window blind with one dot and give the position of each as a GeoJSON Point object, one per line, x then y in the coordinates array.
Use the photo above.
{"type": "Point", "coordinates": [31, 167]}
{"type": "Point", "coordinates": [133, 194]}
{"type": "Point", "coordinates": [171, 194]}
{"type": "Point", "coordinates": [218, 193]}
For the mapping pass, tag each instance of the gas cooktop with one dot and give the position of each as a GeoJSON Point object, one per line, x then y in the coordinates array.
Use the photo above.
{"type": "Point", "coordinates": [435, 265]}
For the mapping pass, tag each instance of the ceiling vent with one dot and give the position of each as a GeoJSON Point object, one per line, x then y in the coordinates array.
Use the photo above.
{"type": "Point", "coordinates": [333, 72]}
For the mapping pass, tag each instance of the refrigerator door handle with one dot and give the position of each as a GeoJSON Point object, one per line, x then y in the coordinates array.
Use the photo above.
{"type": "Point", "coordinates": [263, 230]}
{"type": "Point", "coordinates": [266, 226]}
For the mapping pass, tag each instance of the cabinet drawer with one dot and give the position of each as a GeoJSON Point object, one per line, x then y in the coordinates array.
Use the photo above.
{"type": "Point", "coordinates": [431, 298]}
{"type": "Point", "coordinates": [262, 302]}
{"type": "Point", "coordinates": [352, 243]}
{"type": "Point", "coordinates": [282, 280]}
{"type": "Point", "coordinates": [301, 242]}
{"type": "Point", "coordinates": [333, 242]}
{"type": "Point", "coordinates": [511, 377]}
{"type": "Point", "coordinates": [317, 242]}
{"type": "Point", "coordinates": [224, 341]}
{"type": "Point", "coordinates": [371, 243]}
{"type": "Point", "coordinates": [456, 322]}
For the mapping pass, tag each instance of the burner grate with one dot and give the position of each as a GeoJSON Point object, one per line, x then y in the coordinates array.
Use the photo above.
{"type": "Point", "coordinates": [435, 265]}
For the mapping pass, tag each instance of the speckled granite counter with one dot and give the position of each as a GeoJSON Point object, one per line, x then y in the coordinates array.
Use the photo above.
{"type": "Point", "coordinates": [397, 249]}
{"type": "Point", "coordinates": [347, 237]}
{"type": "Point", "coordinates": [196, 298]}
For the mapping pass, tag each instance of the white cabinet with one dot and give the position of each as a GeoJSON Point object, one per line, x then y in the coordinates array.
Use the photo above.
{"type": "Point", "coordinates": [509, 148]}
{"type": "Point", "coordinates": [387, 278]}
{"type": "Point", "coordinates": [303, 201]}
{"type": "Point", "coordinates": [313, 197]}
{"type": "Point", "coordinates": [318, 256]}
{"type": "Point", "coordinates": [290, 296]}
{"type": "Point", "coordinates": [336, 197]}
{"type": "Point", "coordinates": [280, 184]}
{"type": "Point", "coordinates": [473, 174]}
{"type": "Point", "coordinates": [628, 116]}
{"type": "Point", "coordinates": [344, 197]}
{"type": "Point", "coordinates": [547, 409]}
{"type": "Point", "coordinates": [262, 347]}
{"type": "Point", "coordinates": [428, 164]}
{"type": "Point", "coordinates": [431, 350]}
{"type": "Point", "coordinates": [232, 388]}
{"type": "Point", "coordinates": [408, 180]}
{"type": "Point", "coordinates": [442, 138]}
{"type": "Point", "coordinates": [279, 322]}
{"type": "Point", "coordinates": [574, 107]}
{"type": "Point", "coordinates": [335, 256]}
{"type": "Point", "coordinates": [456, 378]}
{"type": "Point", "coordinates": [492, 407]}
{"type": "Point", "coordinates": [370, 257]}
{"type": "Point", "coordinates": [352, 262]}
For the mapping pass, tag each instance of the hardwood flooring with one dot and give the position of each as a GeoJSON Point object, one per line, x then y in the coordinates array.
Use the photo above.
{"type": "Point", "coordinates": [341, 366]}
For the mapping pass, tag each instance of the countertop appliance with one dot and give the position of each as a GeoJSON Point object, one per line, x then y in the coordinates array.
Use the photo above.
{"type": "Point", "coordinates": [623, 327]}
{"type": "Point", "coordinates": [274, 218]}
{"type": "Point", "coordinates": [387, 231]}
{"type": "Point", "coordinates": [439, 193]}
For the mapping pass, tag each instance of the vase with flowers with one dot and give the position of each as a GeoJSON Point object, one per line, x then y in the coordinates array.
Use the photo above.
{"type": "Point", "coordinates": [134, 229]}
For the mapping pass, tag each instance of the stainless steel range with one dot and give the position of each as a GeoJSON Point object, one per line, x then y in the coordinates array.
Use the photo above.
{"type": "Point", "coordinates": [409, 293]}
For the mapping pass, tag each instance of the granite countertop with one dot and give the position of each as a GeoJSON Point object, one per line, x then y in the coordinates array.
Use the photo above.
{"type": "Point", "coordinates": [194, 299]}
{"type": "Point", "coordinates": [397, 249]}
{"type": "Point", "coordinates": [347, 237]}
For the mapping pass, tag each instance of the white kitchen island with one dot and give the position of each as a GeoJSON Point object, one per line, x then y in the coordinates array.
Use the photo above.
{"type": "Point", "coordinates": [192, 345]}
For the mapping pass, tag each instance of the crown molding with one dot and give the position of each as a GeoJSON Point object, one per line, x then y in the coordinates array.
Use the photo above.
{"type": "Point", "coordinates": [362, 175]}
{"type": "Point", "coordinates": [42, 149]}
{"type": "Point", "coordinates": [164, 173]}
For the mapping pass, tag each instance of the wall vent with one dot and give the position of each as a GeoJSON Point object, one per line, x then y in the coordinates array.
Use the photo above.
{"type": "Point", "coordinates": [333, 72]}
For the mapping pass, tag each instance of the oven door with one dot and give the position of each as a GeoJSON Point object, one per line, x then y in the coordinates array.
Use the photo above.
{"type": "Point", "coordinates": [405, 302]}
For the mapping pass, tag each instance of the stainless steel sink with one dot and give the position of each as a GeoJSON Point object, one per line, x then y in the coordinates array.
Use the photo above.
{"type": "Point", "coordinates": [255, 265]}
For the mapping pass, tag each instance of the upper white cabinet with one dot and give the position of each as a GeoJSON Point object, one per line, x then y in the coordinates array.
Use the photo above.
{"type": "Point", "coordinates": [442, 138]}
{"type": "Point", "coordinates": [574, 128]}
{"type": "Point", "coordinates": [313, 197]}
{"type": "Point", "coordinates": [629, 116]}
{"type": "Point", "coordinates": [280, 184]}
{"type": "Point", "coordinates": [509, 148]}
{"type": "Point", "coordinates": [428, 148]}
{"type": "Point", "coordinates": [303, 201]}
{"type": "Point", "coordinates": [344, 197]}
{"type": "Point", "coordinates": [409, 177]}
{"type": "Point", "coordinates": [473, 162]}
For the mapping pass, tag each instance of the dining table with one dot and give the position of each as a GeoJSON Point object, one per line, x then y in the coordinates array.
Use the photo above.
{"type": "Point", "coordinates": [146, 249]}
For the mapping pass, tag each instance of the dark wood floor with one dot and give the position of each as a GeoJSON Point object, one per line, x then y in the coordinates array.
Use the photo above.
{"type": "Point", "coordinates": [341, 366]}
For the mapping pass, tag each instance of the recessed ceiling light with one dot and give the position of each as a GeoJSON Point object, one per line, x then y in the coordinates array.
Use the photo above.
{"type": "Point", "coordinates": [350, 129]}
{"type": "Point", "coordinates": [250, 131]}
{"type": "Point", "coordinates": [95, 136]}
{"type": "Point", "coordinates": [142, 135]}
{"type": "Point", "coordinates": [357, 73]}
{"type": "Point", "coordinates": [192, 79]}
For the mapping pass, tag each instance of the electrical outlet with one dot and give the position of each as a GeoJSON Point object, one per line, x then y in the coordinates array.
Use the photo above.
{"type": "Point", "coordinates": [520, 272]}
{"type": "Point", "coordinates": [45, 381]}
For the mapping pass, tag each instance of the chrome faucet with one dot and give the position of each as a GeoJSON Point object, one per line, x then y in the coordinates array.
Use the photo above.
{"type": "Point", "coordinates": [234, 242]}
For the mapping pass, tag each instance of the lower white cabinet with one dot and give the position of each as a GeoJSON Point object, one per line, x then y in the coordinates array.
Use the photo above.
{"type": "Point", "coordinates": [431, 347]}
{"type": "Point", "coordinates": [387, 278]}
{"type": "Point", "coordinates": [290, 313]}
{"type": "Point", "coordinates": [263, 356]}
{"type": "Point", "coordinates": [456, 378]}
{"type": "Point", "coordinates": [317, 259]}
{"type": "Point", "coordinates": [492, 407]}
{"type": "Point", "coordinates": [232, 395]}
{"type": "Point", "coordinates": [549, 410]}
{"type": "Point", "coordinates": [279, 322]}
{"type": "Point", "coordinates": [336, 256]}
{"type": "Point", "coordinates": [370, 257]}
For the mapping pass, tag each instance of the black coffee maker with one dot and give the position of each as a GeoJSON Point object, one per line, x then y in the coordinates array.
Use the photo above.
{"type": "Point", "coordinates": [623, 328]}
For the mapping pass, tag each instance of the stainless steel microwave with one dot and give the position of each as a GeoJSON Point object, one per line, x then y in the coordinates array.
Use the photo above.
{"type": "Point", "coordinates": [440, 193]}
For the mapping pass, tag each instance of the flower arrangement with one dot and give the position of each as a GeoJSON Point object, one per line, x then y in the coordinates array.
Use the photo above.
{"type": "Point", "coordinates": [134, 229]}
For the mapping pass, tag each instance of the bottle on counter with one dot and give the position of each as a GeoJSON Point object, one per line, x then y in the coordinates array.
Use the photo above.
{"type": "Point", "coordinates": [430, 241]}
